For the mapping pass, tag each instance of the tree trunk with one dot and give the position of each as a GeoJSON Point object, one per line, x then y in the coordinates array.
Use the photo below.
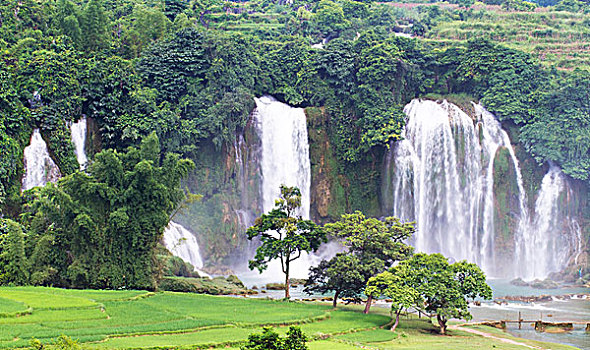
{"type": "Point", "coordinates": [396, 320]}
{"type": "Point", "coordinates": [442, 322]}
{"type": "Point", "coordinates": [335, 298]}
{"type": "Point", "coordinates": [287, 286]}
{"type": "Point", "coordinates": [368, 306]}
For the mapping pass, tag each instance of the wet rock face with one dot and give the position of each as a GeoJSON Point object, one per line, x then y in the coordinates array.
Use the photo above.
{"type": "Point", "coordinates": [506, 208]}
{"type": "Point", "coordinates": [322, 197]}
{"type": "Point", "coordinates": [542, 298]}
{"type": "Point", "coordinates": [537, 283]}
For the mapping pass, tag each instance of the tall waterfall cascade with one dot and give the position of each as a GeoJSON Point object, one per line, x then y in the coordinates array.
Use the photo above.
{"type": "Point", "coordinates": [285, 151]}
{"type": "Point", "coordinates": [282, 130]}
{"type": "Point", "coordinates": [183, 244]}
{"type": "Point", "coordinates": [441, 175]}
{"type": "Point", "coordinates": [78, 131]}
{"type": "Point", "coordinates": [39, 167]}
{"type": "Point", "coordinates": [552, 237]}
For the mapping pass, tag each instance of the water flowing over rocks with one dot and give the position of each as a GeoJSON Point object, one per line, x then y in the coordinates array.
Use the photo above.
{"type": "Point", "coordinates": [284, 160]}
{"type": "Point", "coordinates": [39, 167]}
{"type": "Point", "coordinates": [458, 177]}
{"type": "Point", "coordinates": [284, 151]}
{"type": "Point", "coordinates": [182, 243]}
{"type": "Point", "coordinates": [78, 130]}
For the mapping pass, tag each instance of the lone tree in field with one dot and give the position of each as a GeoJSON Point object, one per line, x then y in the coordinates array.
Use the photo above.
{"type": "Point", "coordinates": [431, 285]}
{"type": "Point", "coordinates": [373, 245]}
{"type": "Point", "coordinates": [343, 275]}
{"type": "Point", "coordinates": [284, 234]}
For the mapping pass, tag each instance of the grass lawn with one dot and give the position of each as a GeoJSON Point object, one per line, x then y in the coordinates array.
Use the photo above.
{"type": "Point", "coordinates": [143, 320]}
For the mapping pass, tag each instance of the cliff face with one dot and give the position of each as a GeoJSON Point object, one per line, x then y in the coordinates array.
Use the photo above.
{"type": "Point", "coordinates": [338, 188]}
{"type": "Point", "coordinates": [229, 180]}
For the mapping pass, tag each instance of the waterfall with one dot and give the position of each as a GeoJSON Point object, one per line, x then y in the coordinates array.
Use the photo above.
{"type": "Point", "coordinates": [285, 151]}
{"type": "Point", "coordinates": [78, 131]}
{"type": "Point", "coordinates": [39, 167]}
{"type": "Point", "coordinates": [246, 213]}
{"type": "Point", "coordinates": [183, 244]}
{"type": "Point", "coordinates": [442, 178]}
{"type": "Point", "coordinates": [552, 236]}
{"type": "Point", "coordinates": [495, 137]}
{"type": "Point", "coordinates": [284, 160]}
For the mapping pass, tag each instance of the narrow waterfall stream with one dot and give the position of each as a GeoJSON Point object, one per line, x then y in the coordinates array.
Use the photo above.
{"type": "Point", "coordinates": [552, 237]}
{"type": "Point", "coordinates": [183, 244]}
{"type": "Point", "coordinates": [78, 131]}
{"type": "Point", "coordinates": [284, 160]}
{"type": "Point", "coordinates": [39, 167]}
{"type": "Point", "coordinates": [285, 151]}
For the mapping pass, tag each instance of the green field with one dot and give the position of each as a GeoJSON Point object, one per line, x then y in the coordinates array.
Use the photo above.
{"type": "Point", "coordinates": [139, 319]}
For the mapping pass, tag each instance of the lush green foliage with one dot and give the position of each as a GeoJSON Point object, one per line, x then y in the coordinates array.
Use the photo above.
{"type": "Point", "coordinates": [372, 246]}
{"type": "Point", "coordinates": [284, 235]}
{"type": "Point", "coordinates": [100, 229]}
{"type": "Point", "coordinates": [432, 285]}
{"type": "Point", "coordinates": [270, 340]}
{"type": "Point", "coordinates": [188, 70]}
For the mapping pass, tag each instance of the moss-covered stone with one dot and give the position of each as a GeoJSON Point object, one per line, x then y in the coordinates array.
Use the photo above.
{"type": "Point", "coordinates": [506, 206]}
{"type": "Point", "coordinates": [205, 285]}
{"type": "Point", "coordinates": [338, 187]}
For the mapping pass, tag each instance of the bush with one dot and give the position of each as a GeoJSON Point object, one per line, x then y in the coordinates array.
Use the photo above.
{"type": "Point", "coordinates": [215, 286]}
{"type": "Point", "coordinates": [270, 340]}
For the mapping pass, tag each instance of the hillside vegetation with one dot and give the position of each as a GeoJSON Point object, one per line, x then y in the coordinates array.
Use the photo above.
{"type": "Point", "coordinates": [187, 73]}
{"type": "Point", "coordinates": [557, 38]}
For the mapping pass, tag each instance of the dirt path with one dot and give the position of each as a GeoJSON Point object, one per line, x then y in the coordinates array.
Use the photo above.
{"type": "Point", "coordinates": [491, 336]}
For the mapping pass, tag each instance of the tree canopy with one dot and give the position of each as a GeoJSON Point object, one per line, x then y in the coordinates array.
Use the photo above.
{"type": "Point", "coordinates": [284, 235]}
{"type": "Point", "coordinates": [99, 229]}
{"type": "Point", "coordinates": [430, 284]}
{"type": "Point", "coordinates": [372, 245]}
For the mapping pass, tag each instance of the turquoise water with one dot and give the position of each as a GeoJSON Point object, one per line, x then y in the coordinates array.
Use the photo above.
{"type": "Point", "coordinates": [572, 310]}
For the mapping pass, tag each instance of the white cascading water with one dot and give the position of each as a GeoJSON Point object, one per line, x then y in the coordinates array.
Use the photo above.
{"type": "Point", "coordinates": [552, 237]}
{"type": "Point", "coordinates": [183, 244]}
{"type": "Point", "coordinates": [285, 151]}
{"type": "Point", "coordinates": [284, 161]}
{"type": "Point", "coordinates": [39, 167]}
{"type": "Point", "coordinates": [78, 131]}
{"type": "Point", "coordinates": [443, 179]}
{"type": "Point", "coordinates": [245, 215]}
{"type": "Point", "coordinates": [495, 137]}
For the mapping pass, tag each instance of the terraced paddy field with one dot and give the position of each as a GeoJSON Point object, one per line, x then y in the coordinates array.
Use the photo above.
{"type": "Point", "coordinates": [555, 37]}
{"type": "Point", "coordinates": [145, 320]}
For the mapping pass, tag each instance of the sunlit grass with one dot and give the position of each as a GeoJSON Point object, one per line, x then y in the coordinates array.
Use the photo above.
{"type": "Point", "coordinates": [137, 319]}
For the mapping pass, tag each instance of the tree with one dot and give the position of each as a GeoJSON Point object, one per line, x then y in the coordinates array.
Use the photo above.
{"type": "Point", "coordinates": [94, 26]}
{"type": "Point", "coordinates": [392, 284]}
{"type": "Point", "coordinates": [284, 235]}
{"type": "Point", "coordinates": [432, 285]}
{"type": "Point", "coordinates": [342, 275]}
{"type": "Point", "coordinates": [101, 229]}
{"type": "Point", "coordinates": [270, 340]}
{"type": "Point", "coordinates": [13, 261]}
{"type": "Point", "coordinates": [329, 18]}
{"type": "Point", "coordinates": [373, 246]}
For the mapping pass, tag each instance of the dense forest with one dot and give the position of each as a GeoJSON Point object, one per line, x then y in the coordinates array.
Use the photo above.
{"type": "Point", "coordinates": [168, 82]}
